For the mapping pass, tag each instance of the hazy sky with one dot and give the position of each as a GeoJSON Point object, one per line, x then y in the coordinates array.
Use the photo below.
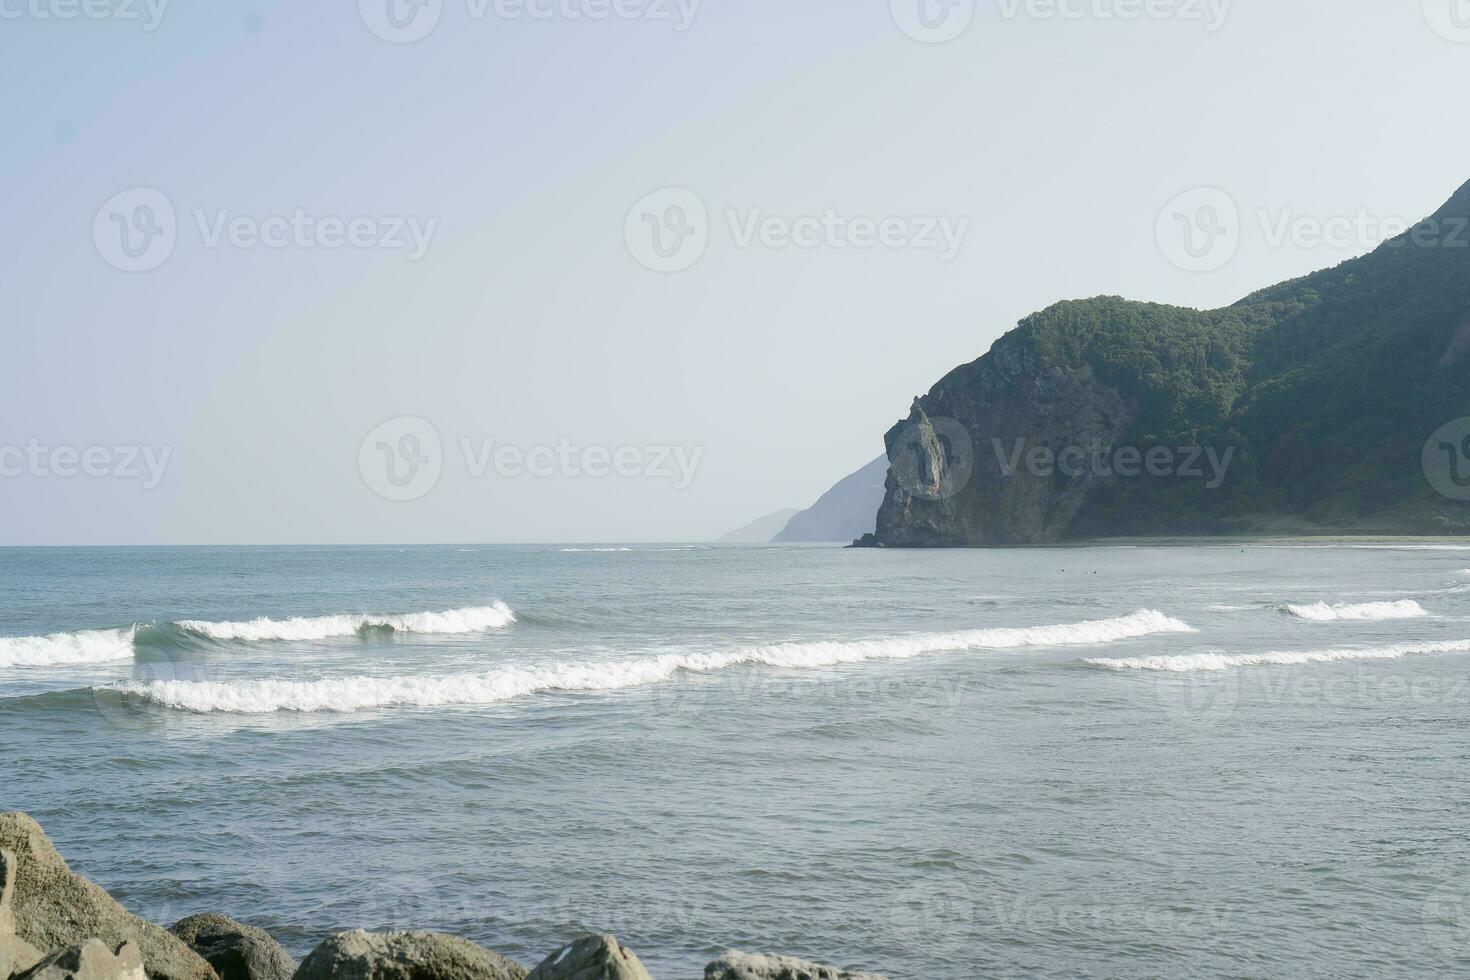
{"type": "Point", "coordinates": [245, 380]}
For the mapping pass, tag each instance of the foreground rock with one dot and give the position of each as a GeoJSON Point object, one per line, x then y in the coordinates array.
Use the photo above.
{"type": "Point", "coordinates": [748, 966]}
{"type": "Point", "coordinates": [235, 950]}
{"type": "Point", "coordinates": [16, 955]}
{"type": "Point", "coordinates": [591, 958]}
{"type": "Point", "coordinates": [90, 961]}
{"type": "Point", "coordinates": [54, 909]}
{"type": "Point", "coordinates": [359, 955]}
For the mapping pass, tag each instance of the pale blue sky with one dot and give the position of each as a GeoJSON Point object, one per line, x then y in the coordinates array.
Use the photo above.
{"type": "Point", "coordinates": [529, 322]}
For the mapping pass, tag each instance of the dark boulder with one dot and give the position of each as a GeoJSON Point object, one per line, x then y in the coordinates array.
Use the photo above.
{"type": "Point", "coordinates": [360, 955]}
{"type": "Point", "coordinates": [235, 950]}
{"type": "Point", "coordinates": [749, 966]}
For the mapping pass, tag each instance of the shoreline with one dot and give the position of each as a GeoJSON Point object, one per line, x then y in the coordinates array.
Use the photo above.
{"type": "Point", "coordinates": [1194, 541]}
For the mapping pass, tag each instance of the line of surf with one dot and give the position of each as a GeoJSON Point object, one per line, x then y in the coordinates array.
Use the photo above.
{"type": "Point", "coordinates": [362, 693]}
{"type": "Point", "coordinates": [476, 619]}
{"type": "Point", "coordinates": [1185, 663]}
{"type": "Point", "coordinates": [1321, 612]}
{"type": "Point", "coordinates": [67, 649]}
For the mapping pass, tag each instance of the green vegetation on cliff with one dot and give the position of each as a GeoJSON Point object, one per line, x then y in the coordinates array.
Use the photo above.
{"type": "Point", "coordinates": [1326, 389]}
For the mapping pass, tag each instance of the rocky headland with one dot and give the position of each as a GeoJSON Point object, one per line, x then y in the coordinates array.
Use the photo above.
{"type": "Point", "coordinates": [1338, 403]}
{"type": "Point", "coordinates": [57, 925]}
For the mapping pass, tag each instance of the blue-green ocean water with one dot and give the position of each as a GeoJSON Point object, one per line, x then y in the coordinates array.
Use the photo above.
{"type": "Point", "coordinates": [932, 765]}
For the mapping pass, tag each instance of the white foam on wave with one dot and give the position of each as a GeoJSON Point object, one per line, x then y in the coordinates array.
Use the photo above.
{"type": "Point", "coordinates": [451, 621]}
{"type": "Point", "coordinates": [67, 649]}
{"type": "Point", "coordinates": [588, 551]}
{"type": "Point", "coordinates": [1288, 658]}
{"type": "Point", "coordinates": [1321, 612]}
{"type": "Point", "coordinates": [360, 693]}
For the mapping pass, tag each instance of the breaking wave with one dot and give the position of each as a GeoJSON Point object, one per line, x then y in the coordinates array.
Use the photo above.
{"type": "Point", "coordinates": [1289, 658]}
{"type": "Point", "coordinates": [360, 693]}
{"type": "Point", "coordinates": [1321, 612]}
{"type": "Point", "coordinates": [471, 620]}
{"type": "Point", "coordinates": [67, 649]}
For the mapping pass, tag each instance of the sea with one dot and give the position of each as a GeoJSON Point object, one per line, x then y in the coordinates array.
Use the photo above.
{"type": "Point", "coordinates": [1232, 759]}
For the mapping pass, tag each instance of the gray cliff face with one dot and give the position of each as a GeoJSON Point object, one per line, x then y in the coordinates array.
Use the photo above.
{"type": "Point", "coordinates": [960, 475]}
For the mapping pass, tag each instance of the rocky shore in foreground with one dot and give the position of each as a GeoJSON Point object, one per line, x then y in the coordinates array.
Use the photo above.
{"type": "Point", "coordinates": [57, 925]}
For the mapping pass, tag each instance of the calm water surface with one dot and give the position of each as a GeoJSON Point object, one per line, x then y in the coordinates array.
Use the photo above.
{"type": "Point", "coordinates": [1222, 761]}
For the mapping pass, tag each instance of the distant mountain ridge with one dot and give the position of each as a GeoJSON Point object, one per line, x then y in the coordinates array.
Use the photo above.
{"type": "Point", "coordinates": [1321, 392]}
{"type": "Point", "coordinates": [762, 529]}
{"type": "Point", "coordinates": [847, 511]}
